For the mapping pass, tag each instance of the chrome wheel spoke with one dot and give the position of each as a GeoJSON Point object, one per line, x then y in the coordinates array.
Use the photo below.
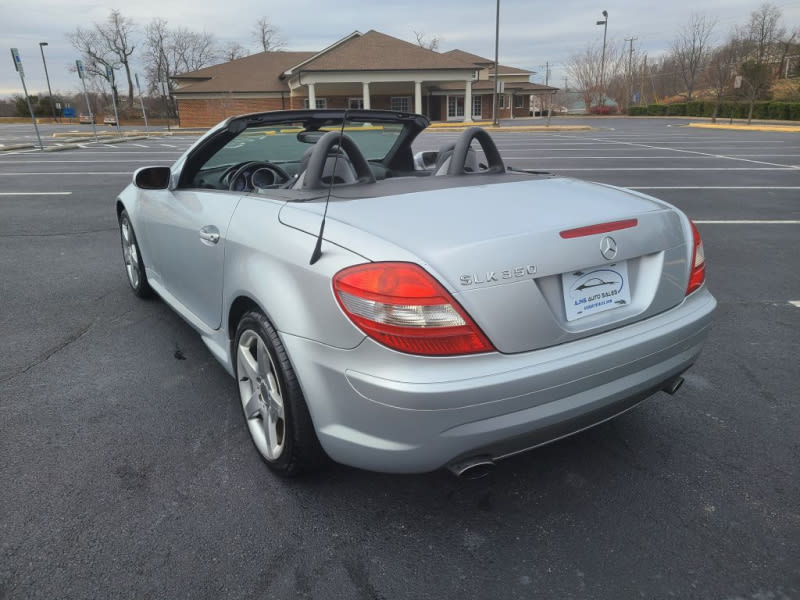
{"type": "Point", "coordinates": [253, 408]}
{"type": "Point", "coordinates": [274, 440]}
{"type": "Point", "coordinates": [247, 363]}
{"type": "Point", "coordinates": [263, 359]}
{"type": "Point", "coordinates": [274, 400]}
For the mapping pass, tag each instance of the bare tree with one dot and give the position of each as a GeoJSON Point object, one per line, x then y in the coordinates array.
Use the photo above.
{"type": "Point", "coordinates": [585, 67]}
{"type": "Point", "coordinates": [107, 44]}
{"type": "Point", "coordinates": [691, 48]}
{"type": "Point", "coordinates": [232, 51]}
{"type": "Point", "coordinates": [720, 71]}
{"type": "Point", "coordinates": [267, 36]}
{"type": "Point", "coordinates": [423, 41]}
{"type": "Point", "coordinates": [759, 41]}
{"type": "Point", "coordinates": [193, 50]}
{"type": "Point", "coordinates": [169, 52]}
{"type": "Point", "coordinates": [789, 49]}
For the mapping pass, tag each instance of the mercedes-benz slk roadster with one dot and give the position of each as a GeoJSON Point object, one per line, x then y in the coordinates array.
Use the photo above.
{"type": "Point", "coordinates": [400, 311]}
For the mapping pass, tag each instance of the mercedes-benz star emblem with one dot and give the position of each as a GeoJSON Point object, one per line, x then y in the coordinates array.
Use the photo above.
{"type": "Point", "coordinates": [608, 248]}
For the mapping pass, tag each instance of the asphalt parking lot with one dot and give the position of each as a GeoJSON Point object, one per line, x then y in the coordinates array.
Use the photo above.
{"type": "Point", "coordinates": [126, 469]}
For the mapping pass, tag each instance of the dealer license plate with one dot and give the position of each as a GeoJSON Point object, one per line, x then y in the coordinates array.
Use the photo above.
{"type": "Point", "coordinates": [595, 290]}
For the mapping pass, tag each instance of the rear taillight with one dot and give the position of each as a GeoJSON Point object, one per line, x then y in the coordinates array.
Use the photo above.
{"type": "Point", "coordinates": [698, 273]}
{"type": "Point", "coordinates": [403, 307]}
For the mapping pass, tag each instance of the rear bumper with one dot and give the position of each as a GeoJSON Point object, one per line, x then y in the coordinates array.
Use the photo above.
{"type": "Point", "coordinates": [377, 409]}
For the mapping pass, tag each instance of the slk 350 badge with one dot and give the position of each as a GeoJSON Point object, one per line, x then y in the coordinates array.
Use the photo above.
{"type": "Point", "coordinates": [497, 276]}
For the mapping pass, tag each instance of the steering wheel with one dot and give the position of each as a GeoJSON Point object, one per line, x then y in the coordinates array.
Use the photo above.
{"type": "Point", "coordinates": [312, 180]}
{"type": "Point", "coordinates": [240, 177]}
{"type": "Point", "coordinates": [459, 158]}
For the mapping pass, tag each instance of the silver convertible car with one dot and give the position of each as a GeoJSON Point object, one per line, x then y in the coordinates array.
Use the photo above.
{"type": "Point", "coordinates": [403, 312]}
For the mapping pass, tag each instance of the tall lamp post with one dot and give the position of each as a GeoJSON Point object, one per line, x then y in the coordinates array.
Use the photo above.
{"type": "Point", "coordinates": [604, 23]}
{"type": "Point", "coordinates": [49, 91]}
{"type": "Point", "coordinates": [495, 115]}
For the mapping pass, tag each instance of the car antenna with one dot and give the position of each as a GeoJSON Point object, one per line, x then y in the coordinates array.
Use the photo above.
{"type": "Point", "coordinates": [317, 253]}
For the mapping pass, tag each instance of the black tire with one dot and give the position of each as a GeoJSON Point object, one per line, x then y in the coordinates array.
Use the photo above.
{"type": "Point", "coordinates": [132, 256]}
{"type": "Point", "coordinates": [274, 408]}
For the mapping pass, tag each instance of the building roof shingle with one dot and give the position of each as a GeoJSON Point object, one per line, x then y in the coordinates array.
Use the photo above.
{"type": "Point", "coordinates": [255, 73]}
{"type": "Point", "coordinates": [375, 51]}
{"type": "Point", "coordinates": [485, 62]}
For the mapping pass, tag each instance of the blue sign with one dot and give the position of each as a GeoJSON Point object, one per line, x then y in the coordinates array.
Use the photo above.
{"type": "Point", "coordinates": [17, 61]}
{"type": "Point", "coordinates": [68, 112]}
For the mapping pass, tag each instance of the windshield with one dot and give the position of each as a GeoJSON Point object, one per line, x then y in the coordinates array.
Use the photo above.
{"type": "Point", "coordinates": [271, 150]}
{"type": "Point", "coordinates": [288, 142]}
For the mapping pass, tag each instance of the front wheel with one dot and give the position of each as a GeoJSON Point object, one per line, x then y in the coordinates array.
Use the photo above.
{"type": "Point", "coordinates": [134, 267]}
{"type": "Point", "coordinates": [273, 403]}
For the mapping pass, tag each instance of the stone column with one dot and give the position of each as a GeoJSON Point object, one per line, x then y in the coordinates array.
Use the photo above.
{"type": "Point", "coordinates": [468, 102]}
{"type": "Point", "coordinates": [418, 97]}
{"type": "Point", "coordinates": [312, 97]}
{"type": "Point", "coordinates": [365, 95]}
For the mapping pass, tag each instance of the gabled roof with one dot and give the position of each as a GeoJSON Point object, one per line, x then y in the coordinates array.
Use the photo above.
{"type": "Point", "coordinates": [485, 62]}
{"type": "Point", "coordinates": [468, 57]}
{"type": "Point", "coordinates": [375, 51]}
{"type": "Point", "coordinates": [255, 73]}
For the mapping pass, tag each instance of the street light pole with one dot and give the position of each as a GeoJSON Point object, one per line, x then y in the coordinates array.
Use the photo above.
{"type": "Point", "coordinates": [604, 23]}
{"type": "Point", "coordinates": [49, 91]}
{"type": "Point", "coordinates": [495, 116]}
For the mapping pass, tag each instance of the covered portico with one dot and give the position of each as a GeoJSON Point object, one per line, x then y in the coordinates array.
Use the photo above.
{"type": "Point", "coordinates": [403, 89]}
{"type": "Point", "coordinates": [374, 70]}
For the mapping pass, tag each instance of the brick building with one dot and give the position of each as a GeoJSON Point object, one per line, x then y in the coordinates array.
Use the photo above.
{"type": "Point", "coordinates": [370, 70]}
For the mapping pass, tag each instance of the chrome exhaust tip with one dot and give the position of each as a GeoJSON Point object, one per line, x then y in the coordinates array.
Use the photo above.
{"type": "Point", "coordinates": [673, 385]}
{"type": "Point", "coordinates": [474, 467]}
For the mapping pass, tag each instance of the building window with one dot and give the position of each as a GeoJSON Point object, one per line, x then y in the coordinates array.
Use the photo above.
{"type": "Point", "coordinates": [321, 103]}
{"type": "Point", "coordinates": [477, 106]}
{"type": "Point", "coordinates": [455, 107]}
{"type": "Point", "coordinates": [355, 103]}
{"type": "Point", "coordinates": [400, 103]}
{"type": "Point", "coordinates": [501, 101]}
{"type": "Point", "coordinates": [519, 101]}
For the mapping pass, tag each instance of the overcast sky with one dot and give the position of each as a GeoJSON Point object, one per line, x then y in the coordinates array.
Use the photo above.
{"type": "Point", "coordinates": [531, 33]}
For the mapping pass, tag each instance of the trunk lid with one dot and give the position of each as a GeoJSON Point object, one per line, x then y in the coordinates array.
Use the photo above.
{"type": "Point", "coordinates": [498, 248]}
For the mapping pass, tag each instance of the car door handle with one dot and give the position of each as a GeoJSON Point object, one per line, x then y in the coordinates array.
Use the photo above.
{"type": "Point", "coordinates": [209, 235]}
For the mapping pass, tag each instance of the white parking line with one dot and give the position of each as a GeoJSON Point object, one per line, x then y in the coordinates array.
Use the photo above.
{"type": "Point", "coordinates": [35, 193]}
{"type": "Point", "coordinates": [70, 173]}
{"type": "Point", "coordinates": [695, 152]}
{"type": "Point", "coordinates": [714, 187]}
{"type": "Point", "coordinates": [92, 161]}
{"type": "Point", "coordinates": [620, 157]}
{"type": "Point", "coordinates": [651, 169]}
{"type": "Point", "coordinates": [752, 222]}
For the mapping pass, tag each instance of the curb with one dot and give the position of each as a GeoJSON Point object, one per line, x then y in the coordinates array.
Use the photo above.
{"type": "Point", "coordinates": [777, 128]}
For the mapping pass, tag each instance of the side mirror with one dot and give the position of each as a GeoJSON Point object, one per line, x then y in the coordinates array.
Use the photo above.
{"type": "Point", "coordinates": [152, 178]}
{"type": "Point", "coordinates": [425, 161]}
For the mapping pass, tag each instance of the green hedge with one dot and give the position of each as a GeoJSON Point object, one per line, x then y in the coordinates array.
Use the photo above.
{"type": "Point", "coordinates": [781, 111]}
{"type": "Point", "coordinates": [676, 110]}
